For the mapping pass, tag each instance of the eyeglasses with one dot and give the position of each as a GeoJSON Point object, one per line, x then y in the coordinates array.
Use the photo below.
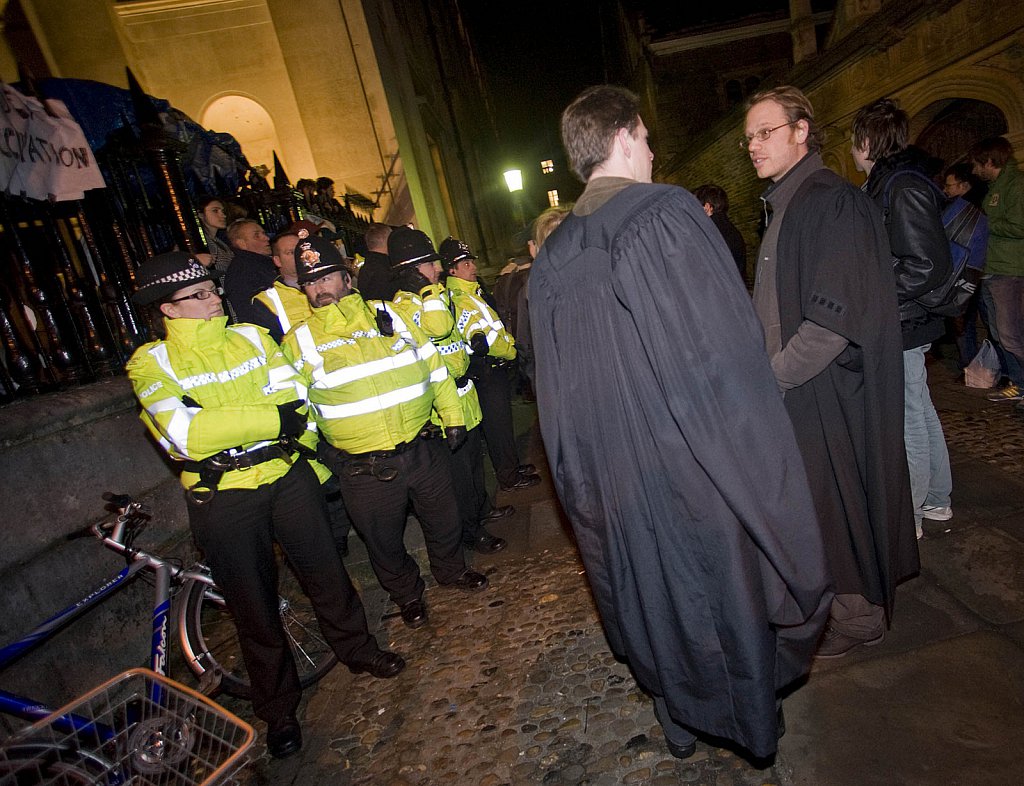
{"type": "Point", "coordinates": [202, 294]}
{"type": "Point", "coordinates": [763, 135]}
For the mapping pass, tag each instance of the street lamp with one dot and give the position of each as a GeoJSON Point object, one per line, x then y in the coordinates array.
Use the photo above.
{"type": "Point", "coordinates": [514, 181]}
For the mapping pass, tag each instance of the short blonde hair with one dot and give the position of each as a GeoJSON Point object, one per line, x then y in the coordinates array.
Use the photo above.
{"type": "Point", "coordinates": [547, 222]}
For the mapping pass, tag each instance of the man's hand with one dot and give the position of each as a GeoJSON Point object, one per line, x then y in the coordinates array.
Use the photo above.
{"type": "Point", "coordinates": [478, 343]}
{"type": "Point", "coordinates": [293, 424]}
{"type": "Point", "coordinates": [456, 436]}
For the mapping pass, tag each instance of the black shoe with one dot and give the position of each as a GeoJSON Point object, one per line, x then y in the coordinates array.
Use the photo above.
{"type": "Point", "coordinates": [681, 751]}
{"type": "Point", "coordinates": [487, 543]}
{"type": "Point", "coordinates": [285, 739]}
{"type": "Point", "coordinates": [414, 613]}
{"type": "Point", "coordinates": [470, 581]}
{"type": "Point", "coordinates": [496, 513]}
{"type": "Point", "coordinates": [522, 482]}
{"type": "Point", "coordinates": [526, 469]}
{"type": "Point", "coordinates": [384, 664]}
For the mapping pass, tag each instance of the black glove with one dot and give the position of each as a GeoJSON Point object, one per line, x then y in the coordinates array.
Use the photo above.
{"type": "Point", "coordinates": [479, 344]}
{"type": "Point", "coordinates": [456, 436]}
{"type": "Point", "coordinates": [292, 423]}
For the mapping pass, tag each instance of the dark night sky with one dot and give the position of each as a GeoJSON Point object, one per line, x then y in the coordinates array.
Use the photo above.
{"type": "Point", "coordinates": [537, 55]}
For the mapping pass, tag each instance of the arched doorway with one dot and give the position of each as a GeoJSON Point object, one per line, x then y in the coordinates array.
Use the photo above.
{"type": "Point", "coordinates": [948, 128]}
{"type": "Point", "coordinates": [249, 123]}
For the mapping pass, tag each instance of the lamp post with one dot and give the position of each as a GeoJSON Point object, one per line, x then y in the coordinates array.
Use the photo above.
{"type": "Point", "coordinates": [514, 181]}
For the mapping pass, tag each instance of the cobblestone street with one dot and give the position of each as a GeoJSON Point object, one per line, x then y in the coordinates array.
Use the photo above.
{"type": "Point", "coordinates": [516, 685]}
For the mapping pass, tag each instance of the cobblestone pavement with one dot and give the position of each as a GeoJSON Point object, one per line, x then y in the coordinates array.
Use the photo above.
{"type": "Point", "coordinates": [516, 685]}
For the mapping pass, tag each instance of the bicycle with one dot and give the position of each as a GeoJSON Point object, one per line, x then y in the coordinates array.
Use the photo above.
{"type": "Point", "coordinates": [137, 728]}
{"type": "Point", "coordinates": [206, 635]}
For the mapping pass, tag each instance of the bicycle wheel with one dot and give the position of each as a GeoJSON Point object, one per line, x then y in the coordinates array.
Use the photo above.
{"type": "Point", "coordinates": [33, 764]}
{"type": "Point", "coordinates": [210, 641]}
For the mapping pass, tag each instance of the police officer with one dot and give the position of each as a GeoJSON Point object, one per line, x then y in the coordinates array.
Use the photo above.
{"type": "Point", "coordinates": [421, 298]}
{"type": "Point", "coordinates": [491, 350]}
{"type": "Point", "coordinates": [373, 379]}
{"type": "Point", "coordinates": [225, 403]}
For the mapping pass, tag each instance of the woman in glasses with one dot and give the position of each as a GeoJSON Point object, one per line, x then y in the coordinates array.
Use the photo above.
{"type": "Point", "coordinates": [223, 402]}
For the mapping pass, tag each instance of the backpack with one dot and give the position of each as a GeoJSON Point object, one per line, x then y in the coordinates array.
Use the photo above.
{"type": "Point", "coordinates": [950, 298]}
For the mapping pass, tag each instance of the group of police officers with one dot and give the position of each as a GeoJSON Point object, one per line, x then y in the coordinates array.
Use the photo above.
{"type": "Point", "coordinates": [375, 399]}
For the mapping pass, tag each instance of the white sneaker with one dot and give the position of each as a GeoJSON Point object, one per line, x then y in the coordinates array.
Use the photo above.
{"type": "Point", "coordinates": [937, 512]}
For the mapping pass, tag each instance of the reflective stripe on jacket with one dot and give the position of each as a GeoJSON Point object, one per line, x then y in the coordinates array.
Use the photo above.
{"type": "Point", "coordinates": [473, 315]}
{"type": "Point", "coordinates": [370, 392]}
{"type": "Point", "coordinates": [431, 310]}
{"type": "Point", "coordinates": [208, 387]}
{"type": "Point", "coordinates": [288, 304]}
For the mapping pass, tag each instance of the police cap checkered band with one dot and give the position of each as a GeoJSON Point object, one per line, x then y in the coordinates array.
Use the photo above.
{"type": "Point", "coordinates": [454, 250]}
{"type": "Point", "coordinates": [315, 257]}
{"type": "Point", "coordinates": [165, 274]}
{"type": "Point", "coordinates": [410, 247]}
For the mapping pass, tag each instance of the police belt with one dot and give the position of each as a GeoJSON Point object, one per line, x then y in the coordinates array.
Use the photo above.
{"type": "Point", "coordinates": [368, 463]}
{"type": "Point", "coordinates": [212, 468]}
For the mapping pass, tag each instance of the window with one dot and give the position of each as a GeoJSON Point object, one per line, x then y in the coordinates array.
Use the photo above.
{"type": "Point", "coordinates": [553, 197]}
{"type": "Point", "coordinates": [547, 167]}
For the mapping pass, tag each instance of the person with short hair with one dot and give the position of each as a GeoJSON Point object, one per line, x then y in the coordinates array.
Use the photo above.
{"type": "Point", "coordinates": [669, 445]}
{"type": "Point", "coordinates": [423, 299]}
{"type": "Point", "coordinates": [375, 275]}
{"type": "Point", "coordinates": [373, 381]}
{"type": "Point", "coordinates": [252, 269]}
{"type": "Point", "coordinates": [226, 405]}
{"type": "Point", "coordinates": [962, 215]}
{"type": "Point", "coordinates": [491, 351]}
{"type": "Point", "coordinates": [825, 294]}
{"type": "Point", "coordinates": [911, 206]}
{"type": "Point", "coordinates": [993, 162]}
{"type": "Point", "coordinates": [716, 206]}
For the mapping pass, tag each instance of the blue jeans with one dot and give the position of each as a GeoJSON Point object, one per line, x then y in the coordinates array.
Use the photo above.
{"type": "Point", "coordinates": [1005, 301]}
{"type": "Point", "coordinates": [927, 458]}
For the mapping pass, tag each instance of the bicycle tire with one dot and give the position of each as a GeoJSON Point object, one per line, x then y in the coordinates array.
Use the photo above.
{"type": "Point", "coordinates": [32, 764]}
{"type": "Point", "coordinates": [210, 642]}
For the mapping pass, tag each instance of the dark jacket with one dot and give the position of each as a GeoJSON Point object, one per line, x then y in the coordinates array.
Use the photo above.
{"type": "Point", "coordinates": [917, 239]}
{"type": "Point", "coordinates": [249, 274]}
{"type": "Point", "coordinates": [734, 240]}
{"type": "Point", "coordinates": [675, 461]}
{"type": "Point", "coordinates": [375, 282]}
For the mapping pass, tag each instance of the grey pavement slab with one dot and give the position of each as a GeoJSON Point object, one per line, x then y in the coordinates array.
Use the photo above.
{"type": "Point", "coordinates": [948, 713]}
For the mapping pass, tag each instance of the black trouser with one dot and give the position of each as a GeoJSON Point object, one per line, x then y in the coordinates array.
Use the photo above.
{"type": "Point", "coordinates": [495, 392]}
{"type": "Point", "coordinates": [470, 490]}
{"type": "Point", "coordinates": [337, 516]}
{"type": "Point", "coordinates": [236, 531]}
{"type": "Point", "coordinates": [378, 512]}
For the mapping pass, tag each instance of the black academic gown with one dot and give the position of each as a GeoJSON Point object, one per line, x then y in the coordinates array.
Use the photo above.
{"type": "Point", "coordinates": [675, 461]}
{"type": "Point", "coordinates": [849, 418]}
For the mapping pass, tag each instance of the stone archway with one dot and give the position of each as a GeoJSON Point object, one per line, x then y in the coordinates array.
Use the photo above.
{"type": "Point", "coordinates": [947, 128]}
{"type": "Point", "coordinates": [249, 123]}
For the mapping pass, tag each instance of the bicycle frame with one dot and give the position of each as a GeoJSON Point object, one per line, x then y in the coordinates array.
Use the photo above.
{"type": "Point", "coordinates": [30, 710]}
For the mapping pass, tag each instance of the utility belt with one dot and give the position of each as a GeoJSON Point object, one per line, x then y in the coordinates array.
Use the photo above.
{"type": "Point", "coordinates": [212, 468]}
{"type": "Point", "coordinates": [375, 462]}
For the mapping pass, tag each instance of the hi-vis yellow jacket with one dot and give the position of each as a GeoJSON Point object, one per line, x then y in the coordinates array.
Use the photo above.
{"type": "Point", "coordinates": [473, 315]}
{"type": "Point", "coordinates": [370, 392]}
{"type": "Point", "coordinates": [208, 387]}
{"type": "Point", "coordinates": [431, 310]}
{"type": "Point", "coordinates": [288, 304]}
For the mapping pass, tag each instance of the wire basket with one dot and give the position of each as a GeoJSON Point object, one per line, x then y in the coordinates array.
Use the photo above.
{"type": "Point", "coordinates": [138, 728]}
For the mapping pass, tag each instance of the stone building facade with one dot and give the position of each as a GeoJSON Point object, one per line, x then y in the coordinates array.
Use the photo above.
{"type": "Point", "coordinates": [956, 67]}
{"type": "Point", "coordinates": [377, 94]}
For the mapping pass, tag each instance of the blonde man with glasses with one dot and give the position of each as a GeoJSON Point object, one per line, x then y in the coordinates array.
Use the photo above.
{"type": "Point", "coordinates": [826, 296]}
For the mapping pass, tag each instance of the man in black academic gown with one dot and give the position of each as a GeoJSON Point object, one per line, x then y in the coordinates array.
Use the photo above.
{"type": "Point", "coordinates": [669, 445]}
{"type": "Point", "coordinates": [826, 295]}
